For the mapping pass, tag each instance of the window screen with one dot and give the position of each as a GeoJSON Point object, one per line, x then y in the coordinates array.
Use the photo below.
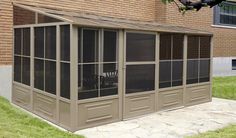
{"type": "Point", "coordinates": [198, 63]}
{"type": "Point", "coordinates": [97, 63]}
{"type": "Point", "coordinates": [45, 59]}
{"type": "Point", "coordinates": [65, 42]}
{"type": "Point", "coordinates": [65, 61]}
{"type": "Point", "coordinates": [140, 78]}
{"type": "Point", "coordinates": [22, 55]}
{"type": "Point", "coordinates": [140, 47]}
{"type": "Point", "coordinates": [171, 60]}
{"type": "Point", "coordinates": [65, 80]}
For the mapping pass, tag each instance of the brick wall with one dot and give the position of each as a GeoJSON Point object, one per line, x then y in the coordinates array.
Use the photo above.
{"type": "Point", "coordinates": [145, 10]}
{"type": "Point", "coordinates": [5, 32]}
{"type": "Point", "coordinates": [224, 39]}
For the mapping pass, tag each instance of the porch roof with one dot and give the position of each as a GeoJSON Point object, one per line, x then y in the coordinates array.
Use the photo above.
{"type": "Point", "coordinates": [91, 20]}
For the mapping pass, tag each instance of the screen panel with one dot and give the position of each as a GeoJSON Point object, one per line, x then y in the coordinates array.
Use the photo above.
{"type": "Point", "coordinates": [140, 78]}
{"type": "Point", "coordinates": [140, 47]}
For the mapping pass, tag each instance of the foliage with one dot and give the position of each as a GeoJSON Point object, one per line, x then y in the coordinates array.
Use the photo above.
{"type": "Point", "coordinates": [167, 1]}
{"type": "Point", "coordinates": [15, 123]}
{"type": "Point", "coordinates": [193, 4]}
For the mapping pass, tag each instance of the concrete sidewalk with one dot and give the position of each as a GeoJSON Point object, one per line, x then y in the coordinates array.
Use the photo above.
{"type": "Point", "coordinates": [170, 124]}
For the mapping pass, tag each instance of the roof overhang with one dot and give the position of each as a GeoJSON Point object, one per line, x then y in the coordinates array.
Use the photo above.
{"type": "Point", "coordinates": [90, 20]}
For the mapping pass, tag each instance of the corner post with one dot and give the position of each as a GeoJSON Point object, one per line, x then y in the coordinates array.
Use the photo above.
{"type": "Point", "coordinates": [185, 68]}
{"type": "Point", "coordinates": [157, 65]}
{"type": "Point", "coordinates": [73, 76]}
{"type": "Point", "coordinates": [211, 67]}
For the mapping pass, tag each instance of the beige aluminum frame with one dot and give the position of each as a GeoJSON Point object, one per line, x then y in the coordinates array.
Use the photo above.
{"type": "Point", "coordinates": [67, 111]}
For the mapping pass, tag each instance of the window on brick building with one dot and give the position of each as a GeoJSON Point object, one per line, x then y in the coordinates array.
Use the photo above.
{"type": "Point", "coordinates": [226, 14]}
{"type": "Point", "coordinates": [233, 64]}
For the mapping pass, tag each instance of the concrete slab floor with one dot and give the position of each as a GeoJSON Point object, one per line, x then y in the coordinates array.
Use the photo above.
{"type": "Point", "coordinates": [170, 124]}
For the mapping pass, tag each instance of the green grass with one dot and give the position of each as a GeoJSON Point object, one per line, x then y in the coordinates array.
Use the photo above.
{"type": "Point", "coordinates": [227, 132]}
{"type": "Point", "coordinates": [224, 87]}
{"type": "Point", "coordinates": [15, 123]}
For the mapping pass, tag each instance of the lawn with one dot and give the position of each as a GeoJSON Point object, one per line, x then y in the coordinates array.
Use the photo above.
{"type": "Point", "coordinates": [224, 87]}
{"type": "Point", "coordinates": [15, 123]}
{"type": "Point", "coordinates": [227, 132]}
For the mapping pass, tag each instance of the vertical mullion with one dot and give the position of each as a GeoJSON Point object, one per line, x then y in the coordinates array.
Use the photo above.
{"type": "Point", "coordinates": [185, 62]}
{"type": "Point", "coordinates": [44, 57]}
{"type": "Point", "coordinates": [199, 57]}
{"type": "Point", "coordinates": [58, 70]}
{"type": "Point", "coordinates": [157, 65]}
{"type": "Point", "coordinates": [171, 60]}
{"type": "Point", "coordinates": [120, 55]}
{"type": "Point", "coordinates": [211, 66]}
{"type": "Point", "coordinates": [73, 76]}
{"type": "Point", "coordinates": [100, 48]}
{"type": "Point", "coordinates": [21, 56]}
{"type": "Point", "coordinates": [124, 66]}
{"type": "Point", "coordinates": [82, 56]}
{"type": "Point", "coordinates": [32, 64]}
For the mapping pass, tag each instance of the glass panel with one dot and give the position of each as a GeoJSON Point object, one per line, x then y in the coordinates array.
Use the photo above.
{"type": "Point", "coordinates": [65, 42]}
{"type": "Point", "coordinates": [177, 73]}
{"type": "Point", "coordinates": [89, 83]}
{"type": "Point", "coordinates": [90, 46]}
{"type": "Point", "coordinates": [205, 47]}
{"type": "Point", "coordinates": [17, 68]}
{"type": "Point", "coordinates": [22, 16]}
{"type": "Point", "coordinates": [178, 41]}
{"type": "Point", "coordinates": [140, 78]}
{"type": "Point", "coordinates": [165, 46]}
{"type": "Point", "coordinates": [165, 74]}
{"type": "Point", "coordinates": [204, 70]}
{"type": "Point", "coordinates": [192, 71]}
{"type": "Point", "coordinates": [109, 79]}
{"type": "Point", "coordinates": [17, 41]}
{"type": "Point", "coordinates": [50, 43]}
{"type": "Point", "coordinates": [50, 77]}
{"type": "Point", "coordinates": [65, 80]}
{"type": "Point", "coordinates": [46, 19]}
{"type": "Point", "coordinates": [39, 74]}
{"type": "Point", "coordinates": [227, 13]}
{"type": "Point", "coordinates": [26, 71]}
{"type": "Point", "coordinates": [39, 42]}
{"type": "Point", "coordinates": [233, 64]}
{"type": "Point", "coordinates": [26, 41]}
{"type": "Point", "coordinates": [110, 46]}
{"type": "Point", "coordinates": [193, 47]}
{"type": "Point", "coordinates": [140, 47]}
